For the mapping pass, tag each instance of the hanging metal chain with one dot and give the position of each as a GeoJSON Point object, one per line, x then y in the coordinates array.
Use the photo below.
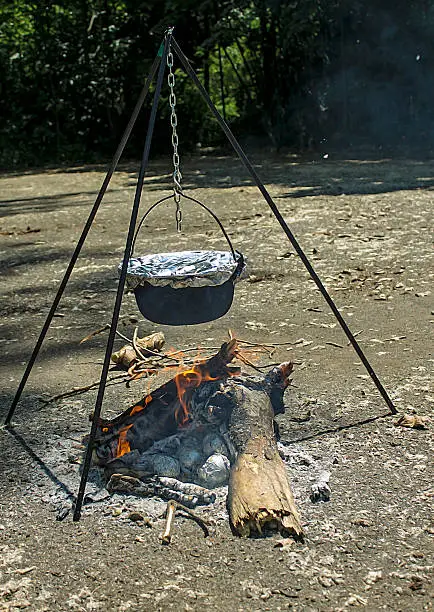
{"type": "Point", "coordinates": [177, 176]}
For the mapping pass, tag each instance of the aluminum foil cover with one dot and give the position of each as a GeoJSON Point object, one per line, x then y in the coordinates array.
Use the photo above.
{"type": "Point", "coordinates": [183, 269]}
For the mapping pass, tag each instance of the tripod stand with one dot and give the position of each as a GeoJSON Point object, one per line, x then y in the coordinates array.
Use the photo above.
{"type": "Point", "coordinates": [158, 67]}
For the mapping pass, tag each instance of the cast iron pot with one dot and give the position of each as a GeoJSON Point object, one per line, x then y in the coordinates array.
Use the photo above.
{"type": "Point", "coordinates": [187, 305]}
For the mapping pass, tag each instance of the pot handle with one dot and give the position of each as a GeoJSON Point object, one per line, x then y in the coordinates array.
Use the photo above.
{"type": "Point", "coordinates": [213, 215]}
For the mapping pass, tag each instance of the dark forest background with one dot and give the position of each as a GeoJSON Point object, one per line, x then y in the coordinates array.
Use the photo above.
{"type": "Point", "coordinates": [302, 74]}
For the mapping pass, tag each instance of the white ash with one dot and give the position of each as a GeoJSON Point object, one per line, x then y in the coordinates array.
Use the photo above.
{"type": "Point", "coordinates": [214, 443]}
{"type": "Point", "coordinates": [215, 471]}
{"type": "Point", "coordinates": [62, 456]}
{"type": "Point", "coordinates": [312, 468]}
{"type": "Point", "coordinates": [199, 454]}
{"type": "Point", "coordinates": [320, 490]}
{"type": "Point", "coordinates": [294, 456]}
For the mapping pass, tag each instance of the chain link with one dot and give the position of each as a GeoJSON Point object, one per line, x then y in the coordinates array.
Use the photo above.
{"type": "Point", "coordinates": [177, 176]}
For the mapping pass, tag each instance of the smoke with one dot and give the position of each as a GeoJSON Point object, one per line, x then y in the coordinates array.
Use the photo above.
{"type": "Point", "coordinates": [378, 90]}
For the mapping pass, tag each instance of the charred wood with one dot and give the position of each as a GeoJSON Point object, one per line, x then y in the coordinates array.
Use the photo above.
{"type": "Point", "coordinates": [185, 493]}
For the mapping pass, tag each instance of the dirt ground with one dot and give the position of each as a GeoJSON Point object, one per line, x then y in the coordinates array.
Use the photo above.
{"type": "Point", "coordinates": [366, 225]}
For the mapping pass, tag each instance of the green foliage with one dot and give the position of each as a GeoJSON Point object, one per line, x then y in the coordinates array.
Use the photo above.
{"type": "Point", "coordinates": [292, 69]}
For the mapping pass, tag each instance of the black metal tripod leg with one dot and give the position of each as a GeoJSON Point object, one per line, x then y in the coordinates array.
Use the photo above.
{"type": "Point", "coordinates": [82, 239]}
{"type": "Point", "coordinates": [285, 227]}
{"type": "Point", "coordinates": [120, 289]}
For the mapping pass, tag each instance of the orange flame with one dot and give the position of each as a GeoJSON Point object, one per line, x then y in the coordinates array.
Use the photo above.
{"type": "Point", "coordinates": [185, 381]}
{"type": "Point", "coordinates": [139, 407]}
{"type": "Point", "coordinates": [123, 444]}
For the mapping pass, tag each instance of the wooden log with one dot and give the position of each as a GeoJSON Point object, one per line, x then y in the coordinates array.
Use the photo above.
{"type": "Point", "coordinates": [259, 494]}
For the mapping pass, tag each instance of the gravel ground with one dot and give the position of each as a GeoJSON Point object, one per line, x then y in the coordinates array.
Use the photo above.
{"type": "Point", "coordinates": [365, 224]}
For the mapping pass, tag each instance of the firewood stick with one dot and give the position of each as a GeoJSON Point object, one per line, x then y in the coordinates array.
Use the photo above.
{"type": "Point", "coordinates": [196, 518]}
{"type": "Point", "coordinates": [247, 361]}
{"type": "Point", "coordinates": [172, 507]}
{"type": "Point", "coordinates": [78, 390]}
{"type": "Point", "coordinates": [118, 333]}
{"type": "Point", "coordinates": [193, 348]}
{"type": "Point", "coordinates": [187, 494]}
{"type": "Point", "coordinates": [203, 495]}
{"type": "Point", "coordinates": [102, 329]}
{"type": "Point", "coordinates": [136, 348]}
{"type": "Point", "coordinates": [148, 350]}
{"type": "Point", "coordinates": [166, 536]}
{"type": "Point", "coordinates": [95, 333]}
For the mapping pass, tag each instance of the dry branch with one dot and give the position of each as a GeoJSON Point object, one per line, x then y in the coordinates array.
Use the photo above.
{"type": "Point", "coordinates": [172, 507]}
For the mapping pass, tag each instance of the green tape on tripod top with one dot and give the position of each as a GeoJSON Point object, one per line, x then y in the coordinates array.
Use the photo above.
{"type": "Point", "coordinates": [160, 50]}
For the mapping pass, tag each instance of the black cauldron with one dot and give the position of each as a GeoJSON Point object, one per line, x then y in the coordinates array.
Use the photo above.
{"type": "Point", "coordinates": [185, 306]}
{"type": "Point", "coordinates": [187, 287]}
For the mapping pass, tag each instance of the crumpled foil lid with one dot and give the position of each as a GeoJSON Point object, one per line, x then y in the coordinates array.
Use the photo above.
{"type": "Point", "coordinates": [184, 269]}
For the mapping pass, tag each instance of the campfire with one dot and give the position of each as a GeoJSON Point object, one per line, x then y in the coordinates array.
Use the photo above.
{"type": "Point", "coordinates": [207, 427]}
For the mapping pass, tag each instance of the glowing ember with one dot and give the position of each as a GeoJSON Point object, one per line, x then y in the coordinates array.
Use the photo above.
{"type": "Point", "coordinates": [123, 444]}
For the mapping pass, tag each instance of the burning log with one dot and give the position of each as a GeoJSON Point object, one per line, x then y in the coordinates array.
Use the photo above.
{"type": "Point", "coordinates": [162, 412]}
{"type": "Point", "coordinates": [206, 426]}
